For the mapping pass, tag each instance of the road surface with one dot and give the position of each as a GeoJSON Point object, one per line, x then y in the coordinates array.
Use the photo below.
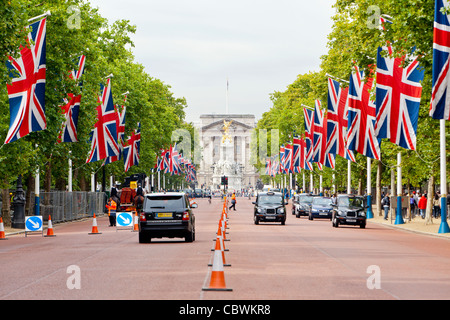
{"type": "Point", "coordinates": [300, 260]}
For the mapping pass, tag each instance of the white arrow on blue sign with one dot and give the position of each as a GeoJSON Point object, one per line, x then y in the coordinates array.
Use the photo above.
{"type": "Point", "coordinates": [124, 219]}
{"type": "Point", "coordinates": [33, 223]}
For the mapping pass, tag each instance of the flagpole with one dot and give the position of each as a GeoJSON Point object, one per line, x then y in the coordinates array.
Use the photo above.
{"type": "Point", "coordinates": [369, 214]}
{"type": "Point", "coordinates": [444, 228]}
{"type": "Point", "coordinates": [48, 13]}
{"type": "Point", "coordinates": [227, 98]}
{"type": "Point", "coordinates": [349, 177]}
{"type": "Point", "coordinates": [399, 217]}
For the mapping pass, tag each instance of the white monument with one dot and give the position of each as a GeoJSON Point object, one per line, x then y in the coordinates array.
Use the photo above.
{"type": "Point", "coordinates": [225, 140]}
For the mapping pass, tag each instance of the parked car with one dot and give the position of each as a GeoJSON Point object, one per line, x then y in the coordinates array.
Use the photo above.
{"type": "Point", "coordinates": [167, 215]}
{"type": "Point", "coordinates": [270, 207]}
{"type": "Point", "coordinates": [349, 210]}
{"type": "Point", "coordinates": [303, 206]}
{"type": "Point", "coordinates": [321, 208]}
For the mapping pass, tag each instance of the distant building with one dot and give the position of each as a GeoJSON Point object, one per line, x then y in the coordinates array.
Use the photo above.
{"type": "Point", "coordinates": [225, 140]}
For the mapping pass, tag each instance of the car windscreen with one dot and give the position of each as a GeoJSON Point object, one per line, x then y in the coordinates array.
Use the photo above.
{"type": "Point", "coordinates": [351, 202]}
{"type": "Point", "coordinates": [322, 201]}
{"type": "Point", "coordinates": [166, 202]}
{"type": "Point", "coordinates": [266, 199]}
{"type": "Point", "coordinates": [305, 199]}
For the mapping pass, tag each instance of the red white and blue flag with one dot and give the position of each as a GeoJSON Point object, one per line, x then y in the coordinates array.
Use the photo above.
{"type": "Point", "coordinates": [309, 118]}
{"type": "Point", "coordinates": [131, 150]}
{"type": "Point", "coordinates": [71, 108]}
{"type": "Point", "coordinates": [26, 92]}
{"type": "Point", "coordinates": [296, 150]}
{"type": "Point", "coordinates": [317, 132]}
{"type": "Point", "coordinates": [337, 120]}
{"type": "Point", "coordinates": [440, 95]}
{"type": "Point", "coordinates": [398, 93]}
{"type": "Point", "coordinates": [104, 135]}
{"type": "Point", "coordinates": [361, 117]}
{"type": "Point", "coordinates": [120, 125]}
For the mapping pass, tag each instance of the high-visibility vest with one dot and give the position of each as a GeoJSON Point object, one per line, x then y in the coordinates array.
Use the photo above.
{"type": "Point", "coordinates": [111, 207]}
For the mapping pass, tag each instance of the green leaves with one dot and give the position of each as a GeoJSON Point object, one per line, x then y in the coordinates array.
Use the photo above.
{"type": "Point", "coordinates": [75, 28]}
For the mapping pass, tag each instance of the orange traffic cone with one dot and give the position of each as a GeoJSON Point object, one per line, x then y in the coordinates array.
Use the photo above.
{"type": "Point", "coordinates": [94, 226]}
{"type": "Point", "coordinates": [50, 228]}
{"type": "Point", "coordinates": [2, 230]}
{"type": "Point", "coordinates": [217, 281]}
{"type": "Point", "coordinates": [136, 222]}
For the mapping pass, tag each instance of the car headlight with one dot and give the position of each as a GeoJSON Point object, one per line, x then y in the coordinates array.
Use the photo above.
{"type": "Point", "coordinates": [280, 210]}
{"type": "Point", "coordinates": [341, 213]}
{"type": "Point", "coordinates": [314, 210]}
{"type": "Point", "coordinates": [260, 210]}
{"type": "Point", "coordinates": [361, 214]}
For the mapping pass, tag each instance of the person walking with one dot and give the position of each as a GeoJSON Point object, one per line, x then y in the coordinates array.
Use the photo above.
{"type": "Point", "coordinates": [422, 205]}
{"type": "Point", "coordinates": [233, 202]}
{"type": "Point", "coordinates": [436, 205]}
{"type": "Point", "coordinates": [386, 203]}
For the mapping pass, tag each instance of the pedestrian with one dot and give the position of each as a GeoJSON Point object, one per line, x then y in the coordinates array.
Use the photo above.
{"type": "Point", "coordinates": [422, 205]}
{"type": "Point", "coordinates": [436, 205]}
{"type": "Point", "coordinates": [412, 204]}
{"type": "Point", "coordinates": [386, 203]}
{"type": "Point", "coordinates": [112, 207]}
{"type": "Point", "coordinates": [233, 202]}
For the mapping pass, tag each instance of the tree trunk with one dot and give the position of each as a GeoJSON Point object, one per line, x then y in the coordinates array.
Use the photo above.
{"type": "Point", "coordinates": [430, 194]}
{"type": "Point", "coordinates": [6, 204]}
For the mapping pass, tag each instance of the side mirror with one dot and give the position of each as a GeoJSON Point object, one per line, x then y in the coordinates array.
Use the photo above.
{"type": "Point", "coordinates": [253, 202]}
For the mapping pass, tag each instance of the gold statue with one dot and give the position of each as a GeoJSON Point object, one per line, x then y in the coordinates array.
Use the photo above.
{"type": "Point", "coordinates": [226, 127]}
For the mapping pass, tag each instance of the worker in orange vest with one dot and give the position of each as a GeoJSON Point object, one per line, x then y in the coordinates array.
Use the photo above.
{"type": "Point", "coordinates": [233, 201]}
{"type": "Point", "coordinates": [112, 207]}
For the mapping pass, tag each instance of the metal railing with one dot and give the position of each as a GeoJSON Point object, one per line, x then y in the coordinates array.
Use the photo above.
{"type": "Point", "coordinates": [67, 206]}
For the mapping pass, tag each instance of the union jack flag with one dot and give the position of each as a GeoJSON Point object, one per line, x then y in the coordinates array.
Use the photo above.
{"type": "Point", "coordinates": [398, 93]}
{"type": "Point", "coordinates": [131, 150]}
{"type": "Point", "coordinates": [361, 117]}
{"type": "Point", "coordinates": [120, 125]}
{"type": "Point", "coordinates": [328, 156]}
{"type": "Point", "coordinates": [26, 92]}
{"type": "Point", "coordinates": [288, 158]}
{"type": "Point", "coordinates": [304, 163]}
{"type": "Point", "coordinates": [317, 132]}
{"type": "Point", "coordinates": [440, 95]}
{"type": "Point", "coordinates": [308, 116]}
{"type": "Point", "coordinates": [104, 135]}
{"type": "Point", "coordinates": [337, 120]}
{"type": "Point", "coordinates": [71, 108]}
{"type": "Point", "coordinates": [296, 155]}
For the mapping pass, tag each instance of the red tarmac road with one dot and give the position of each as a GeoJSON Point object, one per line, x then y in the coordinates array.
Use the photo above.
{"type": "Point", "coordinates": [301, 260]}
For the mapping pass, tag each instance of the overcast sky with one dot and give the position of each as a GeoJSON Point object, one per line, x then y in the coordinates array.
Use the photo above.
{"type": "Point", "coordinates": [195, 45]}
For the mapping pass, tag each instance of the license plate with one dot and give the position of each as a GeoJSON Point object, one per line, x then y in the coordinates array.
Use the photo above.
{"type": "Point", "coordinates": [323, 213]}
{"type": "Point", "coordinates": [351, 220]}
{"type": "Point", "coordinates": [270, 217]}
{"type": "Point", "coordinates": [164, 215]}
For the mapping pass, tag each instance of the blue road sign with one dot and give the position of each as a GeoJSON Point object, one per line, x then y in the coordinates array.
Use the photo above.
{"type": "Point", "coordinates": [124, 219]}
{"type": "Point", "coordinates": [33, 223]}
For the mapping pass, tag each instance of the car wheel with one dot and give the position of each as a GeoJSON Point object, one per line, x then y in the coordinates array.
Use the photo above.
{"type": "Point", "coordinates": [335, 223]}
{"type": "Point", "coordinates": [362, 225]}
{"type": "Point", "coordinates": [310, 217]}
{"type": "Point", "coordinates": [256, 220]}
{"type": "Point", "coordinates": [190, 237]}
{"type": "Point", "coordinates": [283, 222]}
{"type": "Point", "coordinates": [144, 238]}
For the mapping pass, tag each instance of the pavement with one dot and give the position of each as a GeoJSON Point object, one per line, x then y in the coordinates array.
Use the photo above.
{"type": "Point", "coordinates": [416, 224]}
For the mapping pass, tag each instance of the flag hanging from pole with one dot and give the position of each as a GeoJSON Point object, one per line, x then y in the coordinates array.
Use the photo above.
{"type": "Point", "coordinates": [131, 150]}
{"type": "Point", "coordinates": [398, 93]}
{"type": "Point", "coordinates": [361, 117]}
{"type": "Point", "coordinates": [104, 135]}
{"type": "Point", "coordinates": [26, 92]}
{"type": "Point", "coordinates": [71, 108]}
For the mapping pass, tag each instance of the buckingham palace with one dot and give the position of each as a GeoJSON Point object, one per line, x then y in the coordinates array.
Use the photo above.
{"type": "Point", "coordinates": [225, 140]}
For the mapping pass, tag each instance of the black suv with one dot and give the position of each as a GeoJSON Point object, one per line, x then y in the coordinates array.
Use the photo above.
{"type": "Point", "coordinates": [167, 215]}
{"type": "Point", "coordinates": [349, 210]}
{"type": "Point", "coordinates": [270, 207]}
